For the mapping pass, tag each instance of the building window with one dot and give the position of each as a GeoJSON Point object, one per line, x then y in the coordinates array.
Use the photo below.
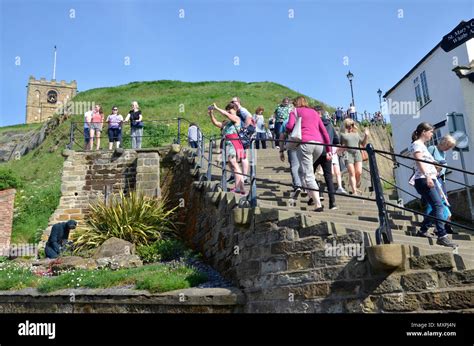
{"type": "Point", "coordinates": [418, 92]}
{"type": "Point", "coordinates": [424, 86]}
{"type": "Point", "coordinates": [456, 122]}
{"type": "Point", "coordinates": [436, 137]}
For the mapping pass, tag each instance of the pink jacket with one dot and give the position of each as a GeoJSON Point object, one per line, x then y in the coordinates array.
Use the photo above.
{"type": "Point", "coordinates": [312, 127]}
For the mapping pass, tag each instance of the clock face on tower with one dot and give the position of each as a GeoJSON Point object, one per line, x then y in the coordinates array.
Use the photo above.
{"type": "Point", "coordinates": [52, 96]}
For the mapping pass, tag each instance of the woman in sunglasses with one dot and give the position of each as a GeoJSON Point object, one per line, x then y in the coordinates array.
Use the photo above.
{"type": "Point", "coordinates": [115, 121]}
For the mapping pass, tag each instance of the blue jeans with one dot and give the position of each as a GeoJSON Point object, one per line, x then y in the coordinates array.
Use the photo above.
{"type": "Point", "coordinates": [294, 158]}
{"type": "Point", "coordinates": [432, 197]}
{"type": "Point", "coordinates": [278, 129]}
{"type": "Point", "coordinates": [261, 137]}
{"type": "Point", "coordinates": [136, 134]}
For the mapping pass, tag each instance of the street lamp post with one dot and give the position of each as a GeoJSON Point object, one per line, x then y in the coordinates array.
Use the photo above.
{"type": "Point", "coordinates": [380, 99]}
{"type": "Point", "coordinates": [350, 76]}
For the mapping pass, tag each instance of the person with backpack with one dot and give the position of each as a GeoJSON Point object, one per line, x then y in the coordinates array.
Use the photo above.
{"type": "Point", "coordinates": [136, 125]}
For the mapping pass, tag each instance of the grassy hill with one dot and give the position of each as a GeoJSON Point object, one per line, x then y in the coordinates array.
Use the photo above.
{"type": "Point", "coordinates": [165, 100]}
{"type": "Point", "coordinates": [162, 101]}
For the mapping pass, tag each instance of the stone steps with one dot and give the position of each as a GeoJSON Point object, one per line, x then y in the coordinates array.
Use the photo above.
{"type": "Point", "coordinates": [352, 214]}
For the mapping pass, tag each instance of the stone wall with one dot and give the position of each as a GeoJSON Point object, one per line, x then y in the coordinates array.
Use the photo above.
{"type": "Point", "coordinates": [7, 198]}
{"type": "Point", "coordinates": [116, 300]}
{"type": "Point", "coordinates": [279, 260]}
{"type": "Point", "coordinates": [89, 177]}
{"type": "Point", "coordinates": [459, 205]}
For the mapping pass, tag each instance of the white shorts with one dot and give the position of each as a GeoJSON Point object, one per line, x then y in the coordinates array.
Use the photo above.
{"type": "Point", "coordinates": [335, 159]}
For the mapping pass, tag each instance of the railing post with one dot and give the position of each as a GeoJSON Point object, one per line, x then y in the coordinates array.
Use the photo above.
{"type": "Point", "coordinates": [223, 165]}
{"type": "Point", "coordinates": [209, 162]}
{"type": "Point", "coordinates": [253, 174]}
{"type": "Point", "coordinates": [201, 148]}
{"type": "Point", "coordinates": [178, 141]}
{"type": "Point", "coordinates": [71, 136]}
{"type": "Point", "coordinates": [383, 234]}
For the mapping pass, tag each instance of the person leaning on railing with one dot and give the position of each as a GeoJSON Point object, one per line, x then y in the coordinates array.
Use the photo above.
{"type": "Point", "coordinates": [114, 131]}
{"type": "Point", "coordinates": [425, 181]}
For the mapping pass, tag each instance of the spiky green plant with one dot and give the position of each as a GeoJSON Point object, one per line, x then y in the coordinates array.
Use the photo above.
{"type": "Point", "coordinates": [134, 217]}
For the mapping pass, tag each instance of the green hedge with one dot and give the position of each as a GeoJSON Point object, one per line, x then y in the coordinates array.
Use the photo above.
{"type": "Point", "coordinates": [8, 180]}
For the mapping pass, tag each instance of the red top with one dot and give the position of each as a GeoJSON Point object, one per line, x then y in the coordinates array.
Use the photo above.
{"type": "Point", "coordinates": [312, 127]}
{"type": "Point", "coordinates": [97, 117]}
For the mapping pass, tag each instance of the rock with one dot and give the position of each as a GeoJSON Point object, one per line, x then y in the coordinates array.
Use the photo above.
{"type": "Point", "coordinates": [119, 262]}
{"type": "Point", "coordinates": [114, 247]}
{"type": "Point", "coordinates": [42, 262]}
{"type": "Point", "coordinates": [71, 263]}
{"type": "Point", "coordinates": [67, 152]}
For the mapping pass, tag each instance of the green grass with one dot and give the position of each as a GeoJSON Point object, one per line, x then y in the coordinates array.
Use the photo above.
{"type": "Point", "coordinates": [154, 278]}
{"type": "Point", "coordinates": [20, 128]}
{"type": "Point", "coordinates": [161, 100]}
{"type": "Point", "coordinates": [40, 170]}
{"type": "Point", "coordinates": [40, 173]}
{"type": "Point", "coordinates": [13, 277]}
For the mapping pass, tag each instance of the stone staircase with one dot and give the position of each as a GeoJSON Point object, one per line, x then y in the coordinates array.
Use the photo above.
{"type": "Point", "coordinates": [352, 214]}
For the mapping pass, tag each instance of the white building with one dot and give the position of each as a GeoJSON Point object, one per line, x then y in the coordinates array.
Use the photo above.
{"type": "Point", "coordinates": [432, 89]}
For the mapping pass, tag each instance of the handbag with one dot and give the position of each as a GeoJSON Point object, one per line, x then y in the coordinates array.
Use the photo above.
{"type": "Point", "coordinates": [244, 137]}
{"type": "Point", "coordinates": [295, 135]}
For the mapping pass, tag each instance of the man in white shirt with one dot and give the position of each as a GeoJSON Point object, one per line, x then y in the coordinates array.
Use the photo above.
{"type": "Point", "coordinates": [87, 126]}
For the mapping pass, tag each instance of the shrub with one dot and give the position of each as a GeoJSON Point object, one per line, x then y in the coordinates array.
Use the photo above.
{"type": "Point", "coordinates": [136, 218]}
{"type": "Point", "coordinates": [8, 180]}
{"type": "Point", "coordinates": [148, 253]}
{"type": "Point", "coordinates": [170, 249]}
{"type": "Point", "coordinates": [163, 250]}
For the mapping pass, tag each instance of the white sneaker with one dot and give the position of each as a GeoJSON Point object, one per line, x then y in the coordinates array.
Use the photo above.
{"type": "Point", "coordinates": [277, 147]}
{"type": "Point", "coordinates": [341, 190]}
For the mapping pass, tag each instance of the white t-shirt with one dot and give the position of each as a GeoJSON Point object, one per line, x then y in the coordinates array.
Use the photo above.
{"type": "Point", "coordinates": [259, 120]}
{"type": "Point", "coordinates": [87, 118]}
{"type": "Point", "coordinates": [415, 147]}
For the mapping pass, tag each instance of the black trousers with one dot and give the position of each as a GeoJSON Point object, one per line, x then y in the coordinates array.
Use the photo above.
{"type": "Point", "coordinates": [327, 170]}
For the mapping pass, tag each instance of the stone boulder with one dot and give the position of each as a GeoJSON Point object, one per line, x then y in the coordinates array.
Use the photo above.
{"type": "Point", "coordinates": [71, 263]}
{"type": "Point", "coordinates": [114, 247]}
{"type": "Point", "coordinates": [119, 262]}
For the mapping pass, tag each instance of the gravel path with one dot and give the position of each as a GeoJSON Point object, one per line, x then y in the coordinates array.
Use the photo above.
{"type": "Point", "coordinates": [215, 278]}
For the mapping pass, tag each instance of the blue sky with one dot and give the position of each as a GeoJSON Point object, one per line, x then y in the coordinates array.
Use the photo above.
{"type": "Point", "coordinates": [305, 53]}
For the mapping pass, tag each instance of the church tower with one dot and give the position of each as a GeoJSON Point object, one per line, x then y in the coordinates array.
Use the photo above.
{"type": "Point", "coordinates": [46, 98]}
